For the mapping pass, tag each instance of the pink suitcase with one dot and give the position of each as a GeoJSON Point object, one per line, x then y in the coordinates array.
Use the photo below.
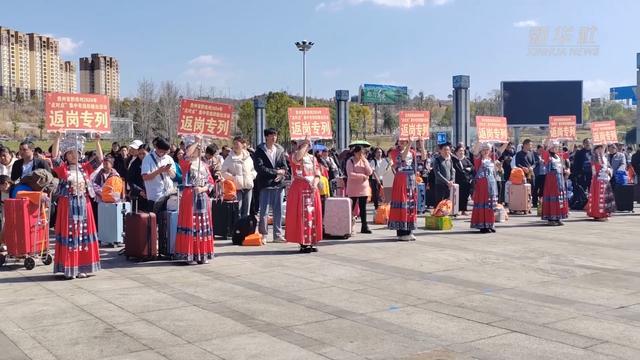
{"type": "Point", "coordinates": [520, 198]}
{"type": "Point", "coordinates": [337, 218]}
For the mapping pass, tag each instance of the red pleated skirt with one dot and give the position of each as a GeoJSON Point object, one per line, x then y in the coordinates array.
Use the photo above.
{"type": "Point", "coordinates": [304, 214]}
{"type": "Point", "coordinates": [194, 239]}
{"type": "Point", "coordinates": [601, 200]}
{"type": "Point", "coordinates": [404, 202]}
{"type": "Point", "coordinates": [483, 215]}
{"type": "Point", "coordinates": [555, 205]}
{"type": "Point", "coordinates": [77, 248]}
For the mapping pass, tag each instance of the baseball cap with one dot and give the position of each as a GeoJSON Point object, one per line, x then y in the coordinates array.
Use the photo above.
{"type": "Point", "coordinates": [135, 144]}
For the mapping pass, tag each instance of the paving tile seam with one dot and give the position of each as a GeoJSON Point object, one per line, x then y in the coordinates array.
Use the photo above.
{"type": "Point", "coordinates": [545, 301]}
{"type": "Point", "coordinates": [16, 345]}
{"type": "Point", "coordinates": [417, 274]}
{"type": "Point", "coordinates": [362, 319]}
{"type": "Point", "coordinates": [25, 333]}
{"type": "Point", "coordinates": [228, 313]}
{"type": "Point", "coordinates": [598, 341]}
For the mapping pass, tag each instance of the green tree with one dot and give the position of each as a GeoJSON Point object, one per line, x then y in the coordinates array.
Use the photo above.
{"type": "Point", "coordinates": [277, 107]}
{"type": "Point", "coordinates": [41, 126]}
{"type": "Point", "coordinates": [360, 120]}
{"type": "Point", "coordinates": [246, 119]}
{"type": "Point", "coordinates": [389, 120]}
{"type": "Point", "coordinates": [15, 122]}
{"type": "Point", "coordinates": [586, 112]}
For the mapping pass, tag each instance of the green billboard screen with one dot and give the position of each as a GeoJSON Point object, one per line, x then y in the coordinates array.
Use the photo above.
{"type": "Point", "coordinates": [383, 94]}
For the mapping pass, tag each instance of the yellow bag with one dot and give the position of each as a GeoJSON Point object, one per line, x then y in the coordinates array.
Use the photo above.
{"type": "Point", "coordinates": [382, 214]}
{"type": "Point", "coordinates": [323, 186]}
{"type": "Point", "coordinates": [438, 223]}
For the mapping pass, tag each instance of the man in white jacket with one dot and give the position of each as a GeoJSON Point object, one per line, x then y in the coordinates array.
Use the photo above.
{"type": "Point", "coordinates": [238, 167]}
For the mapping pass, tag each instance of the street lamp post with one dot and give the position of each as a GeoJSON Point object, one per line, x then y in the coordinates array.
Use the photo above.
{"type": "Point", "coordinates": [304, 46]}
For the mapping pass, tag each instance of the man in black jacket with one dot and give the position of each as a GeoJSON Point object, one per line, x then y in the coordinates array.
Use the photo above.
{"type": "Point", "coordinates": [581, 168]}
{"type": "Point", "coordinates": [445, 174]}
{"type": "Point", "coordinates": [27, 162]}
{"type": "Point", "coordinates": [271, 164]}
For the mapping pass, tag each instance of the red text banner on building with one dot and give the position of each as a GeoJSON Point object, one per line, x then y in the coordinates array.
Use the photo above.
{"type": "Point", "coordinates": [492, 129]}
{"type": "Point", "coordinates": [205, 118]}
{"type": "Point", "coordinates": [312, 122]}
{"type": "Point", "coordinates": [414, 124]}
{"type": "Point", "coordinates": [604, 132]}
{"type": "Point", "coordinates": [562, 127]}
{"type": "Point", "coordinates": [77, 112]}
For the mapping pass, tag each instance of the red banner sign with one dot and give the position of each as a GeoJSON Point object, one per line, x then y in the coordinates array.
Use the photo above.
{"type": "Point", "coordinates": [77, 112]}
{"type": "Point", "coordinates": [604, 132]}
{"type": "Point", "coordinates": [205, 118]}
{"type": "Point", "coordinates": [312, 122]}
{"type": "Point", "coordinates": [414, 124]}
{"type": "Point", "coordinates": [492, 129]}
{"type": "Point", "coordinates": [562, 127]}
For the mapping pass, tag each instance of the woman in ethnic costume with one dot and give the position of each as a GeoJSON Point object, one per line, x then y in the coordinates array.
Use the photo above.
{"type": "Point", "coordinates": [77, 250]}
{"type": "Point", "coordinates": [304, 227]}
{"type": "Point", "coordinates": [485, 193]}
{"type": "Point", "coordinates": [601, 200]}
{"type": "Point", "coordinates": [404, 193]}
{"type": "Point", "coordinates": [555, 205]}
{"type": "Point", "coordinates": [194, 239]}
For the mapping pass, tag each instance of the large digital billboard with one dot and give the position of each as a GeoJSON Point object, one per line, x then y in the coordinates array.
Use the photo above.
{"type": "Point", "coordinates": [530, 103]}
{"type": "Point", "coordinates": [383, 94]}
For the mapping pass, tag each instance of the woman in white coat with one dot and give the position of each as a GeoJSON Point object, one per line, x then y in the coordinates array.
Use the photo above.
{"type": "Point", "coordinates": [238, 167]}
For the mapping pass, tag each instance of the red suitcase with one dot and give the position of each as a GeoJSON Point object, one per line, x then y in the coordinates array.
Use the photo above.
{"type": "Point", "coordinates": [26, 232]}
{"type": "Point", "coordinates": [141, 236]}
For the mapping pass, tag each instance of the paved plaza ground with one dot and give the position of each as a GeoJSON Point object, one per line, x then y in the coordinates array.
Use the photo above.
{"type": "Point", "coordinates": [527, 292]}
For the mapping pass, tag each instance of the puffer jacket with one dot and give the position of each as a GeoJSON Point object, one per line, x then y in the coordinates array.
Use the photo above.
{"type": "Point", "coordinates": [239, 169]}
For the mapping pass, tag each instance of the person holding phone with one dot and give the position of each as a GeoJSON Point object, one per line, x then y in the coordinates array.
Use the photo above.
{"type": "Point", "coordinates": [157, 172]}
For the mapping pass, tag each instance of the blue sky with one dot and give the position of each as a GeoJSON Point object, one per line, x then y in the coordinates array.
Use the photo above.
{"type": "Point", "coordinates": [245, 47]}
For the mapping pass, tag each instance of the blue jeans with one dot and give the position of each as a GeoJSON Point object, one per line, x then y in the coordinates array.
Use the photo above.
{"type": "Point", "coordinates": [271, 198]}
{"type": "Point", "coordinates": [244, 201]}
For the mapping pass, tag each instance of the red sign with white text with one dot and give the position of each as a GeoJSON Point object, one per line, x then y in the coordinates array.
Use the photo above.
{"type": "Point", "coordinates": [311, 122]}
{"type": "Point", "coordinates": [205, 118]}
{"type": "Point", "coordinates": [492, 129]}
{"type": "Point", "coordinates": [77, 112]}
{"type": "Point", "coordinates": [562, 127]}
{"type": "Point", "coordinates": [414, 124]}
{"type": "Point", "coordinates": [604, 132]}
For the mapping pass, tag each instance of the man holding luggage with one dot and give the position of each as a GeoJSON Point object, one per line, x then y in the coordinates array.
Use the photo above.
{"type": "Point", "coordinates": [526, 160]}
{"type": "Point", "coordinates": [271, 165]}
{"type": "Point", "coordinates": [157, 172]}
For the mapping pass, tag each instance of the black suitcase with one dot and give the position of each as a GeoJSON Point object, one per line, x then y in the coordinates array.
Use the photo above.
{"type": "Point", "coordinates": [624, 197]}
{"type": "Point", "coordinates": [636, 192]}
{"type": "Point", "coordinates": [225, 214]}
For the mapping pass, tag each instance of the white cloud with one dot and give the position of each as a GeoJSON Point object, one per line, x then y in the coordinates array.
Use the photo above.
{"type": "Point", "coordinates": [206, 72]}
{"type": "Point", "coordinates": [205, 60]}
{"type": "Point", "coordinates": [526, 23]}
{"type": "Point", "coordinates": [66, 45]}
{"type": "Point", "coordinates": [406, 4]}
{"type": "Point", "coordinates": [596, 88]}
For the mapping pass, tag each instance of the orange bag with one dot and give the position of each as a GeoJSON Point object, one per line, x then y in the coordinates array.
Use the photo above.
{"type": "Point", "coordinates": [253, 240]}
{"type": "Point", "coordinates": [113, 190]}
{"type": "Point", "coordinates": [517, 176]}
{"type": "Point", "coordinates": [228, 190]}
{"type": "Point", "coordinates": [631, 174]}
{"type": "Point", "coordinates": [382, 214]}
{"type": "Point", "coordinates": [443, 208]}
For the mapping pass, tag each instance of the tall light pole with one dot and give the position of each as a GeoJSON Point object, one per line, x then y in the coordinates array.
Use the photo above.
{"type": "Point", "coordinates": [304, 46]}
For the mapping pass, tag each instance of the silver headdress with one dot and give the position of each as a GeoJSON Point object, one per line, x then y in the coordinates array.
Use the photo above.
{"type": "Point", "coordinates": [71, 143]}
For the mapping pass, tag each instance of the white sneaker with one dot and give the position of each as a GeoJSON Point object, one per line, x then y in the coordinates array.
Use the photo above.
{"type": "Point", "coordinates": [82, 276]}
{"type": "Point", "coordinates": [279, 239]}
{"type": "Point", "coordinates": [404, 238]}
{"type": "Point", "coordinates": [412, 237]}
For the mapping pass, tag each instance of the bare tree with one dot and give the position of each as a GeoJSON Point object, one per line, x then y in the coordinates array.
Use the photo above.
{"type": "Point", "coordinates": [145, 109]}
{"type": "Point", "coordinates": [168, 107]}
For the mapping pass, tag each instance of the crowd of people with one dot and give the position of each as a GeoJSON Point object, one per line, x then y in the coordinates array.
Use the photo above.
{"type": "Point", "coordinates": [271, 180]}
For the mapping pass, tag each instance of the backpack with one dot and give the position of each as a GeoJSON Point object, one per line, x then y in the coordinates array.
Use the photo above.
{"type": "Point", "coordinates": [242, 228]}
{"type": "Point", "coordinates": [228, 190]}
{"type": "Point", "coordinates": [40, 180]}
{"type": "Point", "coordinates": [517, 176]}
{"type": "Point", "coordinates": [113, 190]}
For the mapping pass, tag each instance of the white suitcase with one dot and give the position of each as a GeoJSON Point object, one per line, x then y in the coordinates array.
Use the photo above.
{"type": "Point", "coordinates": [111, 222]}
